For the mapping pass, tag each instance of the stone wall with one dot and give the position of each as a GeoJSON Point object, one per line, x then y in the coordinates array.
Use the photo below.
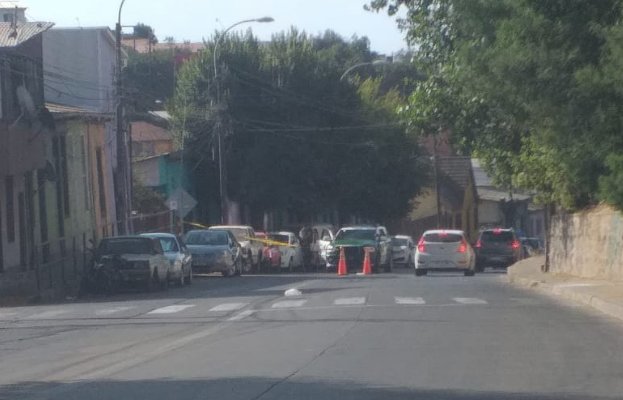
{"type": "Point", "coordinates": [588, 243]}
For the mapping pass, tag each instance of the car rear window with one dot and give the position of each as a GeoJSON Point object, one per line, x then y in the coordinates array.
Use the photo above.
{"type": "Point", "coordinates": [442, 238]}
{"type": "Point", "coordinates": [501, 236]}
{"type": "Point", "coordinates": [126, 246]}
{"type": "Point", "coordinates": [400, 242]}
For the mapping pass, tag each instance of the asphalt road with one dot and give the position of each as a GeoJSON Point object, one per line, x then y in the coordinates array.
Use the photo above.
{"type": "Point", "coordinates": [388, 336]}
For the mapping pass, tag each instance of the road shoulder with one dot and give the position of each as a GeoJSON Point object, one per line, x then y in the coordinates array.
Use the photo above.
{"type": "Point", "coordinates": [601, 295]}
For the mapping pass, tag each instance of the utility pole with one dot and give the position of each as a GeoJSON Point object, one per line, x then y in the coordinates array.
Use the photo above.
{"type": "Point", "coordinates": [436, 172]}
{"type": "Point", "coordinates": [122, 183]}
{"type": "Point", "coordinates": [222, 166]}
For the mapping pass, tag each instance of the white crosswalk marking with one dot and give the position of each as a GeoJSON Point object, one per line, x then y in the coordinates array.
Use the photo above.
{"type": "Point", "coordinates": [289, 303]}
{"type": "Point", "coordinates": [112, 310]}
{"type": "Point", "coordinates": [409, 300]}
{"type": "Point", "coordinates": [47, 314]}
{"type": "Point", "coordinates": [469, 300]}
{"type": "Point", "coordinates": [228, 307]}
{"type": "Point", "coordinates": [349, 301]}
{"type": "Point", "coordinates": [171, 309]}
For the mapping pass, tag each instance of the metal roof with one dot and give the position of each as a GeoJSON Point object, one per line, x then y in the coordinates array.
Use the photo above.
{"type": "Point", "coordinates": [12, 35]}
{"type": "Point", "coordinates": [481, 177]}
{"type": "Point", "coordinates": [500, 195]}
{"type": "Point", "coordinates": [457, 168]}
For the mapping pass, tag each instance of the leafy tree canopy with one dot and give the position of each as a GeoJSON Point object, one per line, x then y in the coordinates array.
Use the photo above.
{"type": "Point", "coordinates": [531, 87]}
{"type": "Point", "coordinates": [293, 135]}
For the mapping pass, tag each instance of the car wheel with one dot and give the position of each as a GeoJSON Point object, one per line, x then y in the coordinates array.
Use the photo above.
{"type": "Point", "coordinates": [469, 272]}
{"type": "Point", "coordinates": [150, 283]}
{"type": "Point", "coordinates": [237, 268]}
{"type": "Point", "coordinates": [420, 272]}
{"type": "Point", "coordinates": [189, 278]}
{"type": "Point", "coordinates": [164, 283]}
{"type": "Point", "coordinates": [181, 281]}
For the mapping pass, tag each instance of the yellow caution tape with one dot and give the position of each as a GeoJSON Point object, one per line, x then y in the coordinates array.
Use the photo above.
{"type": "Point", "coordinates": [268, 242]}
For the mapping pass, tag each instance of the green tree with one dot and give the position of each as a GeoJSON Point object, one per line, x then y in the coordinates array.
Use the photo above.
{"type": "Point", "coordinates": [149, 79]}
{"type": "Point", "coordinates": [526, 85]}
{"type": "Point", "coordinates": [293, 135]}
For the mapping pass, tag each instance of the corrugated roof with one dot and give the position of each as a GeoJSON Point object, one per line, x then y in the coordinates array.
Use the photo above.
{"type": "Point", "coordinates": [12, 35]}
{"type": "Point", "coordinates": [457, 168]}
{"type": "Point", "coordinates": [145, 132]}
{"type": "Point", "coordinates": [63, 111]}
{"type": "Point", "coordinates": [500, 195]}
{"type": "Point", "coordinates": [12, 4]}
{"type": "Point", "coordinates": [481, 177]}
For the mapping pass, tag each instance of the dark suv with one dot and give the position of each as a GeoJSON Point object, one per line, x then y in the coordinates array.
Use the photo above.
{"type": "Point", "coordinates": [497, 248]}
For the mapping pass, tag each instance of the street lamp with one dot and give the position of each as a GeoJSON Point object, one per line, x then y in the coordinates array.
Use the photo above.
{"type": "Point", "coordinates": [218, 100]}
{"type": "Point", "coordinates": [375, 62]}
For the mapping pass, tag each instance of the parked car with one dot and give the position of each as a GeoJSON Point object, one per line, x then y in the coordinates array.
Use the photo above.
{"type": "Point", "coordinates": [323, 236]}
{"type": "Point", "coordinates": [497, 248]}
{"type": "Point", "coordinates": [271, 256]}
{"type": "Point", "coordinates": [132, 260]}
{"type": "Point", "coordinates": [214, 250]}
{"type": "Point", "coordinates": [178, 255]}
{"type": "Point", "coordinates": [251, 248]}
{"type": "Point", "coordinates": [444, 250]}
{"type": "Point", "coordinates": [289, 249]}
{"type": "Point", "coordinates": [403, 250]}
{"type": "Point", "coordinates": [354, 240]}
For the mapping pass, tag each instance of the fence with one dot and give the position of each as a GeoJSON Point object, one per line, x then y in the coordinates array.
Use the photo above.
{"type": "Point", "coordinates": [54, 269]}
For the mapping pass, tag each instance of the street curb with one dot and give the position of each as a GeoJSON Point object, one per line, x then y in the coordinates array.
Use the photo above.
{"type": "Point", "coordinates": [609, 308]}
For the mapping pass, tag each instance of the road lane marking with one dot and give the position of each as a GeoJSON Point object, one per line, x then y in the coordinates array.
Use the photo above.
{"type": "Point", "coordinates": [171, 309]}
{"type": "Point", "coordinates": [228, 307]}
{"type": "Point", "coordinates": [349, 301]}
{"type": "Point", "coordinates": [469, 300]}
{"type": "Point", "coordinates": [289, 303]}
{"type": "Point", "coordinates": [241, 315]}
{"type": "Point", "coordinates": [112, 310]}
{"type": "Point", "coordinates": [409, 300]}
{"type": "Point", "coordinates": [6, 314]}
{"type": "Point", "coordinates": [47, 314]}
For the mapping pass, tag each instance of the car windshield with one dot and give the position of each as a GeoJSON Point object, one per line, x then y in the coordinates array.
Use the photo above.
{"type": "Point", "coordinates": [279, 238]}
{"type": "Point", "coordinates": [442, 238]}
{"type": "Point", "coordinates": [125, 246]}
{"type": "Point", "coordinates": [497, 236]}
{"type": "Point", "coordinates": [209, 238]}
{"type": "Point", "coordinates": [356, 234]}
{"type": "Point", "coordinates": [169, 244]}
{"type": "Point", "coordinates": [400, 241]}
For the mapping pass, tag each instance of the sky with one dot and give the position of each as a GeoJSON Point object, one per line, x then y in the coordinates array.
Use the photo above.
{"type": "Point", "coordinates": [195, 19]}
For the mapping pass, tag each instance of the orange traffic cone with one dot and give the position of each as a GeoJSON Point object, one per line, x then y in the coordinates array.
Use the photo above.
{"type": "Point", "coordinates": [367, 267]}
{"type": "Point", "coordinates": [341, 265]}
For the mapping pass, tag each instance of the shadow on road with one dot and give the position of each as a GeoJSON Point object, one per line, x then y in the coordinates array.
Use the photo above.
{"type": "Point", "coordinates": [257, 388]}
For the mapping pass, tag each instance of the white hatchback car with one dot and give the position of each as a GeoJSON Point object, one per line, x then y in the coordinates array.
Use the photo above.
{"type": "Point", "coordinates": [444, 250]}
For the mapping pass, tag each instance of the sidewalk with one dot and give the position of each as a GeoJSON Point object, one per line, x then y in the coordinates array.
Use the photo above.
{"type": "Point", "coordinates": [604, 296]}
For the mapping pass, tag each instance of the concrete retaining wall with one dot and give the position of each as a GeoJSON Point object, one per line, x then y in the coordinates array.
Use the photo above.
{"type": "Point", "coordinates": [588, 244]}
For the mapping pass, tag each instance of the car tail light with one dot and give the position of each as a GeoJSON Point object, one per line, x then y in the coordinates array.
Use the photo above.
{"type": "Point", "coordinates": [421, 246]}
{"type": "Point", "coordinates": [462, 247]}
{"type": "Point", "coordinates": [478, 244]}
{"type": "Point", "coordinates": [515, 244]}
